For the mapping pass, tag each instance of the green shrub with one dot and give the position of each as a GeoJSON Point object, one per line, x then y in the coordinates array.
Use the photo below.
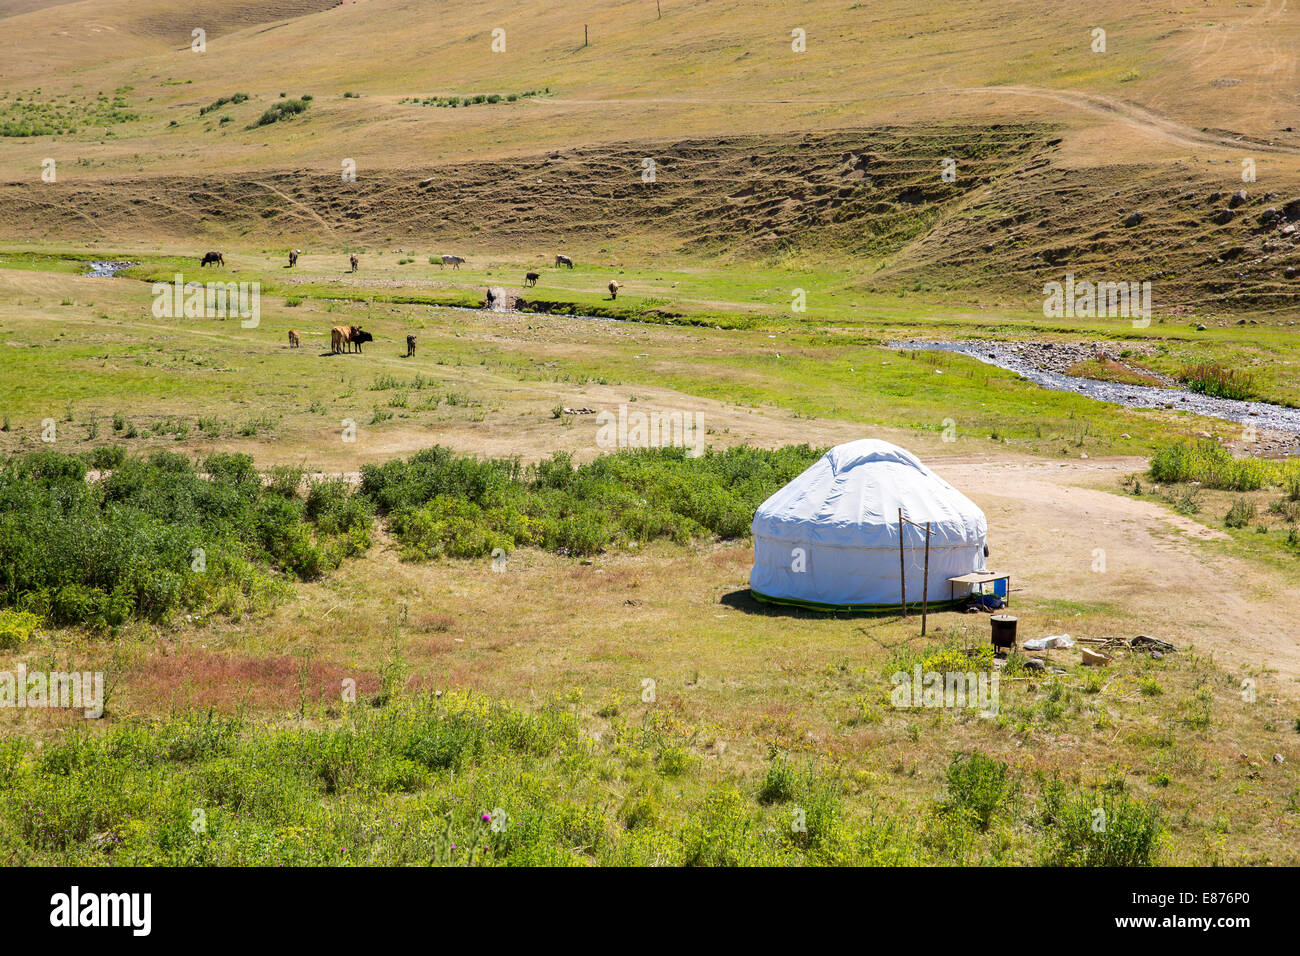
{"type": "Point", "coordinates": [1213, 466]}
{"type": "Point", "coordinates": [978, 785]}
{"type": "Point", "coordinates": [1240, 514]}
{"type": "Point", "coordinates": [780, 783]}
{"type": "Point", "coordinates": [1211, 378]}
{"type": "Point", "coordinates": [16, 628]}
{"type": "Point", "coordinates": [281, 111]}
{"type": "Point", "coordinates": [1103, 829]}
{"type": "Point", "coordinates": [157, 535]}
{"type": "Point", "coordinates": [441, 503]}
{"type": "Point", "coordinates": [217, 104]}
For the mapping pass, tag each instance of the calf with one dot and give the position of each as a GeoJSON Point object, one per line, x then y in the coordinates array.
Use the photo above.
{"type": "Point", "coordinates": [530, 278]}
{"type": "Point", "coordinates": [410, 346]}
{"type": "Point", "coordinates": [293, 339]}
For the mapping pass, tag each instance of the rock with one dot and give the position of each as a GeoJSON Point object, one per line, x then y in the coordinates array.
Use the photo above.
{"type": "Point", "coordinates": [1093, 658]}
{"type": "Point", "coordinates": [1200, 328]}
{"type": "Point", "coordinates": [1269, 216]}
{"type": "Point", "coordinates": [1278, 758]}
{"type": "Point", "coordinates": [1289, 272]}
{"type": "Point", "coordinates": [1134, 218]}
{"type": "Point", "coordinates": [1035, 664]}
{"type": "Point", "coordinates": [1222, 217]}
{"type": "Point", "coordinates": [1237, 199]}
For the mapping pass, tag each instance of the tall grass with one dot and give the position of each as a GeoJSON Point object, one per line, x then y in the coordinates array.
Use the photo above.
{"type": "Point", "coordinates": [1214, 467]}
{"type": "Point", "coordinates": [1211, 378]}
{"type": "Point", "coordinates": [439, 503]}
{"type": "Point", "coordinates": [157, 535]}
{"type": "Point", "coordinates": [465, 780]}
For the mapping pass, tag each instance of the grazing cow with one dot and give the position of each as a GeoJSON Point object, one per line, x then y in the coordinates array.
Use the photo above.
{"type": "Point", "coordinates": [454, 261]}
{"type": "Point", "coordinates": [563, 261]}
{"type": "Point", "coordinates": [343, 336]}
{"type": "Point", "coordinates": [530, 278]}
{"type": "Point", "coordinates": [293, 257]}
{"type": "Point", "coordinates": [491, 298]}
{"type": "Point", "coordinates": [293, 339]}
{"type": "Point", "coordinates": [356, 336]}
{"type": "Point", "coordinates": [410, 346]}
{"type": "Point", "coordinates": [213, 258]}
{"type": "Point", "coordinates": [354, 262]}
{"type": "Point", "coordinates": [614, 286]}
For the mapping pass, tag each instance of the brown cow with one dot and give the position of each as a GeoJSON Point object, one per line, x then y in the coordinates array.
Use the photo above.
{"type": "Point", "coordinates": [339, 337]}
{"type": "Point", "coordinates": [356, 336]}
{"type": "Point", "coordinates": [355, 262]}
{"type": "Point", "coordinates": [530, 278]}
{"type": "Point", "coordinates": [213, 258]}
{"type": "Point", "coordinates": [614, 286]}
{"type": "Point", "coordinates": [293, 257]}
{"type": "Point", "coordinates": [293, 339]}
{"type": "Point", "coordinates": [410, 346]}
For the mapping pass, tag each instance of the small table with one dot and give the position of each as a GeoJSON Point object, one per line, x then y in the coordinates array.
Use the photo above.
{"type": "Point", "coordinates": [981, 578]}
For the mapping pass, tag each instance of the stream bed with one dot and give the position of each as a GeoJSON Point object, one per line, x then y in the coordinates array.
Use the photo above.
{"type": "Point", "coordinates": [1011, 356]}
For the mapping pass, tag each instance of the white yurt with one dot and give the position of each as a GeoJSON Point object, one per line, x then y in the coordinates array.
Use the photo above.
{"type": "Point", "coordinates": [830, 538]}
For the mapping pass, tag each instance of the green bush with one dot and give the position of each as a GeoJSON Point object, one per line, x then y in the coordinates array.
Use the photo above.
{"type": "Point", "coordinates": [1240, 514]}
{"type": "Point", "coordinates": [1104, 829]}
{"type": "Point", "coordinates": [157, 535]}
{"type": "Point", "coordinates": [16, 628]}
{"type": "Point", "coordinates": [441, 503]}
{"type": "Point", "coordinates": [1211, 378]}
{"type": "Point", "coordinates": [978, 785]}
{"type": "Point", "coordinates": [1214, 467]}
{"type": "Point", "coordinates": [780, 783]}
{"type": "Point", "coordinates": [282, 111]}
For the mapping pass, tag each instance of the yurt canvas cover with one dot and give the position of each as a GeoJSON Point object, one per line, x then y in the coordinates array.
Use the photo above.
{"type": "Point", "coordinates": [830, 538]}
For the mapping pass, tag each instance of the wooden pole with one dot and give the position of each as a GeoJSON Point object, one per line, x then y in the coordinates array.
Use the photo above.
{"type": "Point", "coordinates": [925, 582]}
{"type": "Point", "coordinates": [659, 10]}
{"type": "Point", "coordinates": [584, 34]}
{"type": "Point", "coordinates": [902, 569]}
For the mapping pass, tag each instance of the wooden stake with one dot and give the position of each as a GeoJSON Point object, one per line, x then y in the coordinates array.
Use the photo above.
{"type": "Point", "coordinates": [925, 584]}
{"type": "Point", "coordinates": [584, 34]}
{"type": "Point", "coordinates": [659, 10]}
{"type": "Point", "coordinates": [902, 569]}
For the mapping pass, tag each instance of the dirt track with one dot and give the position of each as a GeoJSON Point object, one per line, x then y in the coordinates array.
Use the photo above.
{"type": "Point", "coordinates": [1160, 567]}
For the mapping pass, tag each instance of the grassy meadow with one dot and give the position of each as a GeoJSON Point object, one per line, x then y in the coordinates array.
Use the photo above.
{"type": "Point", "coordinates": [389, 641]}
{"type": "Point", "coordinates": [383, 608]}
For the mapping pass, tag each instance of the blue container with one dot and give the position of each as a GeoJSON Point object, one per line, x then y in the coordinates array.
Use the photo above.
{"type": "Point", "coordinates": [1000, 588]}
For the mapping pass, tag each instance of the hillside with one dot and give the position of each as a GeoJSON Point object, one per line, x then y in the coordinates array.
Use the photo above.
{"type": "Point", "coordinates": [832, 153]}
